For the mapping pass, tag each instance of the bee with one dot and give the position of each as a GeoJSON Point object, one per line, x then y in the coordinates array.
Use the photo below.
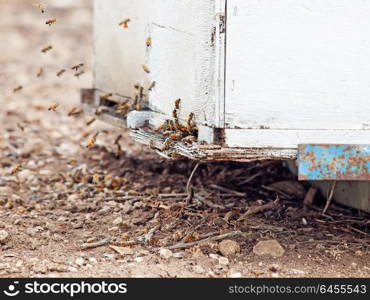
{"type": "Point", "coordinates": [46, 49]}
{"type": "Point", "coordinates": [60, 73]}
{"type": "Point", "coordinates": [106, 96]}
{"type": "Point", "coordinates": [177, 103]}
{"type": "Point", "coordinates": [77, 67]}
{"type": "Point", "coordinates": [74, 112]}
{"type": "Point", "coordinates": [189, 123]}
{"type": "Point", "coordinates": [100, 110]}
{"type": "Point", "coordinates": [92, 141]}
{"type": "Point", "coordinates": [79, 74]}
{"type": "Point", "coordinates": [40, 72]}
{"type": "Point", "coordinates": [16, 169]}
{"type": "Point", "coordinates": [72, 162]}
{"type": "Point", "coordinates": [41, 7]}
{"type": "Point", "coordinates": [146, 69]}
{"type": "Point", "coordinates": [137, 86]}
{"type": "Point", "coordinates": [152, 86]}
{"type": "Point", "coordinates": [92, 120]}
{"type": "Point", "coordinates": [148, 42]}
{"type": "Point", "coordinates": [17, 89]}
{"type": "Point", "coordinates": [53, 107]}
{"type": "Point", "coordinates": [51, 21]}
{"type": "Point", "coordinates": [20, 126]}
{"type": "Point", "coordinates": [122, 109]}
{"type": "Point", "coordinates": [189, 139]}
{"type": "Point", "coordinates": [124, 23]}
{"type": "Point", "coordinates": [167, 144]}
{"type": "Point", "coordinates": [176, 136]}
{"type": "Point", "coordinates": [116, 142]}
{"type": "Point", "coordinates": [152, 145]}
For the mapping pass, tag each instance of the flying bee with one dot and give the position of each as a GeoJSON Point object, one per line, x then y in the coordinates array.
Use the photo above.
{"type": "Point", "coordinates": [60, 73]}
{"type": "Point", "coordinates": [92, 120]}
{"type": "Point", "coordinates": [74, 112]}
{"type": "Point", "coordinates": [46, 49]}
{"type": "Point", "coordinates": [124, 23]}
{"type": "Point", "coordinates": [40, 72]}
{"type": "Point", "coordinates": [20, 126]}
{"type": "Point", "coordinates": [51, 21]}
{"type": "Point", "coordinates": [77, 67]}
{"type": "Point", "coordinates": [92, 141]}
{"type": "Point", "coordinates": [17, 89]}
{"type": "Point", "coordinates": [152, 86]}
{"type": "Point", "coordinates": [146, 69]}
{"type": "Point", "coordinates": [79, 74]}
{"type": "Point", "coordinates": [53, 107]}
{"type": "Point", "coordinates": [148, 42]}
{"type": "Point", "coordinates": [41, 7]}
{"type": "Point", "coordinates": [16, 169]}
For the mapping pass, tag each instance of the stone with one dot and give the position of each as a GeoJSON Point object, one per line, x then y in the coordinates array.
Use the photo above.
{"type": "Point", "coordinates": [269, 247]}
{"type": "Point", "coordinates": [228, 247]}
{"type": "Point", "coordinates": [79, 261]}
{"type": "Point", "coordinates": [198, 269]}
{"type": "Point", "coordinates": [223, 261]}
{"type": "Point", "coordinates": [118, 221]}
{"type": "Point", "coordinates": [4, 236]}
{"type": "Point", "coordinates": [165, 253]}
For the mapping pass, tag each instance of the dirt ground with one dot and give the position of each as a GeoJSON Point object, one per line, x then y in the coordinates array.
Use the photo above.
{"type": "Point", "coordinates": [109, 211]}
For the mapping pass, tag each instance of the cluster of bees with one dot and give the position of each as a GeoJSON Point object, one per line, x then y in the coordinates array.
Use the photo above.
{"type": "Point", "coordinates": [174, 131]}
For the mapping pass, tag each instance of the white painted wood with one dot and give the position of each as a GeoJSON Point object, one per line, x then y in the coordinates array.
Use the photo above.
{"type": "Point", "coordinates": [298, 64]}
{"type": "Point", "coordinates": [182, 60]}
{"type": "Point", "coordinates": [289, 139]}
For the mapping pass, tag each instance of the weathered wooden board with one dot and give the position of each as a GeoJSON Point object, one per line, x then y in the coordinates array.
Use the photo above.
{"type": "Point", "coordinates": [298, 64]}
{"type": "Point", "coordinates": [185, 58]}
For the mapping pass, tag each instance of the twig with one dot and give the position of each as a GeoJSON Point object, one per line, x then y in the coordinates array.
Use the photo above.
{"type": "Point", "coordinates": [221, 188]}
{"type": "Point", "coordinates": [100, 243]}
{"type": "Point", "coordinates": [329, 197]}
{"type": "Point", "coordinates": [207, 202]}
{"type": "Point", "coordinates": [256, 209]}
{"type": "Point", "coordinates": [212, 238]}
{"type": "Point", "coordinates": [189, 190]}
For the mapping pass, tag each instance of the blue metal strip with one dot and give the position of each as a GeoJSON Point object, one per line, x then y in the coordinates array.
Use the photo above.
{"type": "Point", "coordinates": [333, 162]}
